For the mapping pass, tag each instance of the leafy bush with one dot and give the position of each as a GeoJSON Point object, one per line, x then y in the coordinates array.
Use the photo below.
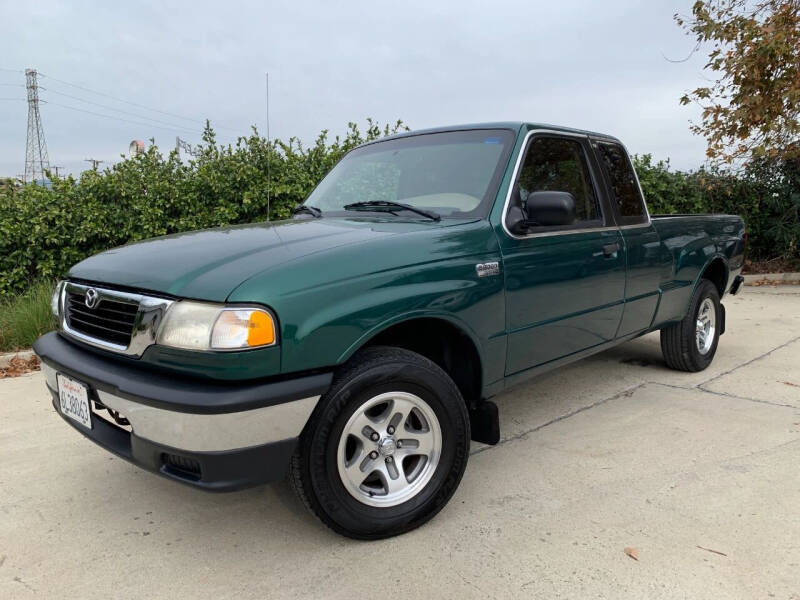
{"type": "Point", "coordinates": [45, 231]}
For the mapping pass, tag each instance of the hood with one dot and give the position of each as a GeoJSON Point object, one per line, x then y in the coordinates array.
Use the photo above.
{"type": "Point", "coordinates": [210, 264]}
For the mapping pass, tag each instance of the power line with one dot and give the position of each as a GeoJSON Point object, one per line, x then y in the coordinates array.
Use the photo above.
{"type": "Point", "coordinates": [124, 112]}
{"type": "Point", "coordinates": [136, 104]}
{"type": "Point", "coordinates": [115, 118]}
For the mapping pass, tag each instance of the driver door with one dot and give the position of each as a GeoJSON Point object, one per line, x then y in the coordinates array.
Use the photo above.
{"type": "Point", "coordinates": [565, 285]}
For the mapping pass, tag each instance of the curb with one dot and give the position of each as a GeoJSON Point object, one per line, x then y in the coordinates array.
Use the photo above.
{"type": "Point", "coordinates": [5, 359]}
{"type": "Point", "coordinates": [772, 277]}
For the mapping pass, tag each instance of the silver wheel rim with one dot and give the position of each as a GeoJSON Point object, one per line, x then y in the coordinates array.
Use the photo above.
{"type": "Point", "coordinates": [706, 326]}
{"type": "Point", "coordinates": [389, 449]}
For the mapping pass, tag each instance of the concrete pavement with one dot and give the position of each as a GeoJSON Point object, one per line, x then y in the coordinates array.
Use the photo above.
{"type": "Point", "coordinates": [697, 472]}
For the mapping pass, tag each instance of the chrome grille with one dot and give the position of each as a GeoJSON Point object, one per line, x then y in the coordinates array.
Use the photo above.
{"type": "Point", "coordinates": [110, 320]}
{"type": "Point", "coordinates": [117, 321]}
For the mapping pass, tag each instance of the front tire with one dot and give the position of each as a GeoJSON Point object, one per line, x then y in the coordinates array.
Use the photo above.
{"type": "Point", "coordinates": [690, 345]}
{"type": "Point", "coordinates": [386, 446]}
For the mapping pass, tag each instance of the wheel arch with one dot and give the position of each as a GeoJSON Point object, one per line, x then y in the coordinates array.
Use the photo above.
{"type": "Point", "coordinates": [445, 340]}
{"type": "Point", "coordinates": [717, 272]}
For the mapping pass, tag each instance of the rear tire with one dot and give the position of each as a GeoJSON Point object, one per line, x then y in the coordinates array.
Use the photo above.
{"type": "Point", "coordinates": [690, 344]}
{"type": "Point", "coordinates": [386, 446]}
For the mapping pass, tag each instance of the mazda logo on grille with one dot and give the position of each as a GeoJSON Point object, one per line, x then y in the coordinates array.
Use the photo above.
{"type": "Point", "coordinates": [91, 298]}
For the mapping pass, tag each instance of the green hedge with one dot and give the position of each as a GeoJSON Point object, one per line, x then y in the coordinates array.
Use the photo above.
{"type": "Point", "coordinates": [45, 231]}
{"type": "Point", "coordinates": [766, 194]}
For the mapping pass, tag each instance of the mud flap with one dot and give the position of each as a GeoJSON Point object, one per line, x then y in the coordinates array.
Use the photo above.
{"type": "Point", "coordinates": [484, 421]}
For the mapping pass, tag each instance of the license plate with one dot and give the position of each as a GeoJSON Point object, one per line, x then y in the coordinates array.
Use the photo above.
{"type": "Point", "coordinates": [74, 399]}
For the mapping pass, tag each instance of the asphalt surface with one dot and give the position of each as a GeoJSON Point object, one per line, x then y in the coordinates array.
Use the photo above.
{"type": "Point", "coordinates": [696, 473]}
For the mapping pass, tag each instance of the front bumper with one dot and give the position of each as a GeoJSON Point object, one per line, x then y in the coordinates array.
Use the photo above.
{"type": "Point", "coordinates": [209, 434]}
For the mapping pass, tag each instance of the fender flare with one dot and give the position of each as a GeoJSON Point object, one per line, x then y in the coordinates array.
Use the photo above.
{"type": "Point", "coordinates": [724, 259]}
{"type": "Point", "coordinates": [411, 316]}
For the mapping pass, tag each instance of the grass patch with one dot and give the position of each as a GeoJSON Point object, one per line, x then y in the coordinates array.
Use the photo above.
{"type": "Point", "coordinates": [26, 316]}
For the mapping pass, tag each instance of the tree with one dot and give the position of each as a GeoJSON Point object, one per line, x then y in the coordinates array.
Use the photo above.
{"type": "Point", "coordinates": [752, 108]}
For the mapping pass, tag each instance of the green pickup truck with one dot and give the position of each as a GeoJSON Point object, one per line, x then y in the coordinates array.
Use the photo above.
{"type": "Point", "coordinates": [356, 347]}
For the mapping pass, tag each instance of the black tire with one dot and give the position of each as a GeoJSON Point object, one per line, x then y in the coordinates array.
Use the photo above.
{"type": "Point", "coordinates": [678, 343]}
{"type": "Point", "coordinates": [314, 473]}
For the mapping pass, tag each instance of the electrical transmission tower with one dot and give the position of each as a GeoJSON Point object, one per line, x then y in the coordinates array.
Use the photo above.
{"type": "Point", "coordinates": [36, 159]}
{"type": "Point", "coordinates": [186, 147]}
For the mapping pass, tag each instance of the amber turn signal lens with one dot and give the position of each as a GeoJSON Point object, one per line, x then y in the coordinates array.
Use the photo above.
{"type": "Point", "coordinates": [243, 328]}
{"type": "Point", "coordinates": [261, 329]}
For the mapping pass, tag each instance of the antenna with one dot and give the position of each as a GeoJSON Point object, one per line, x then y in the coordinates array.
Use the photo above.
{"type": "Point", "coordinates": [269, 149]}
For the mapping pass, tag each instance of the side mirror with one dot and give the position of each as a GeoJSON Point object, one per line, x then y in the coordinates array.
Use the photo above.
{"type": "Point", "coordinates": [542, 209]}
{"type": "Point", "coordinates": [551, 208]}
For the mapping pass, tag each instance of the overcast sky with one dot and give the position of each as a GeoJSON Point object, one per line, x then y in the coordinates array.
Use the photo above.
{"type": "Point", "coordinates": [595, 65]}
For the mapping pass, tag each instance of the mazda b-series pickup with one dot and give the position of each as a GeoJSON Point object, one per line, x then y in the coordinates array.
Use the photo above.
{"type": "Point", "coordinates": [356, 347]}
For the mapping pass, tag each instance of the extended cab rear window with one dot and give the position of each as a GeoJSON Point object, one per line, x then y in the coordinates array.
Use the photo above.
{"type": "Point", "coordinates": [622, 181]}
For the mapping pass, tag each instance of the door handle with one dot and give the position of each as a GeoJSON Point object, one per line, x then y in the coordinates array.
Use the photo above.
{"type": "Point", "coordinates": [610, 250]}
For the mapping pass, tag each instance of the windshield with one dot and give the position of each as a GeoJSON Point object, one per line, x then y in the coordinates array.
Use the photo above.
{"type": "Point", "coordinates": [454, 173]}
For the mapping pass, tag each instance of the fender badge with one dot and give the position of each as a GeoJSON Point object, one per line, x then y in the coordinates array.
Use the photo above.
{"type": "Point", "coordinates": [487, 269]}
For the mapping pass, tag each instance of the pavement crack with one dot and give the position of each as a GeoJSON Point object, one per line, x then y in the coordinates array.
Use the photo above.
{"type": "Point", "coordinates": [471, 584]}
{"type": "Point", "coordinates": [727, 395]}
{"type": "Point", "coordinates": [518, 436]}
{"type": "Point", "coordinates": [761, 451]}
{"type": "Point", "coordinates": [744, 364]}
{"type": "Point", "coordinates": [27, 586]}
{"type": "Point", "coordinates": [724, 394]}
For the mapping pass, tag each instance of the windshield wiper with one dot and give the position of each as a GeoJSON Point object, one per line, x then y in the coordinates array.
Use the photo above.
{"type": "Point", "coordinates": [388, 204]}
{"type": "Point", "coordinates": [312, 210]}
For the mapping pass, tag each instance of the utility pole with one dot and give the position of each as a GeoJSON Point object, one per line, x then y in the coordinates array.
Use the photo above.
{"type": "Point", "coordinates": [36, 159]}
{"type": "Point", "coordinates": [55, 169]}
{"type": "Point", "coordinates": [94, 162]}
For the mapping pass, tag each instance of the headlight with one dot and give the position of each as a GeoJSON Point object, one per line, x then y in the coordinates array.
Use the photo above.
{"type": "Point", "coordinates": [55, 301]}
{"type": "Point", "coordinates": [200, 326]}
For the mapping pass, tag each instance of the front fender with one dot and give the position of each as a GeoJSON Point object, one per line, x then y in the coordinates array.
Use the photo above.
{"type": "Point", "coordinates": [330, 303]}
{"type": "Point", "coordinates": [324, 327]}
